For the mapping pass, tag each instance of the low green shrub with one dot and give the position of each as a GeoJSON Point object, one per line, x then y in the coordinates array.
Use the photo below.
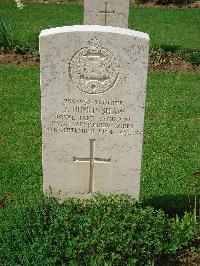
{"type": "Point", "coordinates": [114, 230]}
{"type": "Point", "coordinates": [175, 2]}
{"type": "Point", "coordinates": [158, 56]}
{"type": "Point", "coordinates": [164, 2]}
{"type": "Point", "coordinates": [194, 58]}
{"type": "Point", "coordinates": [9, 42]}
{"type": "Point", "coordinates": [6, 34]}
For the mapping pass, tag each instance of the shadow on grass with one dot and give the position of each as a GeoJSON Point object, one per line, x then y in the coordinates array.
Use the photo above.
{"type": "Point", "coordinates": [173, 205]}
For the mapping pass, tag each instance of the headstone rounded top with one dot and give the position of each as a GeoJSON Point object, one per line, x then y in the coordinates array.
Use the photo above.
{"type": "Point", "coordinates": [94, 28]}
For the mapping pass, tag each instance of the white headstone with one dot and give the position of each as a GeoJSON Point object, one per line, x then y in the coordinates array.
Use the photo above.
{"type": "Point", "coordinates": [93, 82]}
{"type": "Point", "coordinates": [107, 13]}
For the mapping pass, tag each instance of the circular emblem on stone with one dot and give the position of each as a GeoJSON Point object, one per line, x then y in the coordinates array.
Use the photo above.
{"type": "Point", "coordinates": [93, 69]}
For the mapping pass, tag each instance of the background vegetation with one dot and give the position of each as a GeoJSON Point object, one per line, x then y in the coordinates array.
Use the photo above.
{"type": "Point", "coordinates": [175, 28]}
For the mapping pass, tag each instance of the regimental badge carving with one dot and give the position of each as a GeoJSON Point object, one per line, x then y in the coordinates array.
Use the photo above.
{"type": "Point", "coordinates": [93, 69]}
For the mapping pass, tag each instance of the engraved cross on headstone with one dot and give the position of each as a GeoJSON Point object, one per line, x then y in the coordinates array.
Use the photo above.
{"type": "Point", "coordinates": [106, 12]}
{"type": "Point", "coordinates": [92, 160]}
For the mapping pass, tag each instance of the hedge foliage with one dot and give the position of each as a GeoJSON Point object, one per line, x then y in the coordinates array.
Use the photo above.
{"type": "Point", "coordinates": [193, 57]}
{"type": "Point", "coordinates": [175, 2]}
{"type": "Point", "coordinates": [114, 230]}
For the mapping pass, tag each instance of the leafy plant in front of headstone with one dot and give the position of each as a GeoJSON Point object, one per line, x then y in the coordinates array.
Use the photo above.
{"type": "Point", "coordinates": [6, 34]}
{"type": "Point", "coordinates": [193, 57]}
{"type": "Point", "coordinates": [112, 230]}
{"type": "Point", "coordinates": [194, 195]}
{"type": "Point", "coordinates": [158, 56]}
{"type": "Point", "coordinates": [190, 55]}
{"type": "Point", "coordinates": [7, 31]}
{"type": "Point", "coordinates": [181, 233]}
{"type": "Point", "coordinates": [8, 41]}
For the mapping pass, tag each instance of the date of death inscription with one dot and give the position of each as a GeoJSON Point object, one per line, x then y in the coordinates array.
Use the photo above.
{"type": "Point", "coordinates": [91, 116]}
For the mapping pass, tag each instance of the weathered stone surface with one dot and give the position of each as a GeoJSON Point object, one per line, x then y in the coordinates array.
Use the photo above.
{"type": "Point", "coordinates": [93, 82]}
{"type": "Point", "coordinates": [107, 13]}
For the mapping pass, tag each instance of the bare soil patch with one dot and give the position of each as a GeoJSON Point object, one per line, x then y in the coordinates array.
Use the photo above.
{"type": "Point", "coordinates": [172, 64]}
{"type": "Point", "coordinates": [2, 205]}
{"type": "Point", "coordinates": [193, 259]}
{"type": "Point", "coordinates": [15, 59]}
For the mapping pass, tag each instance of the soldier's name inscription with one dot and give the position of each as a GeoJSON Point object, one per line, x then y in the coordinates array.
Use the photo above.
{"type": "Point", "coordinates": [92, 116]}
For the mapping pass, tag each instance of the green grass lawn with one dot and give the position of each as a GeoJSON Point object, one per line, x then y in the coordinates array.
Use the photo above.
{"type": "Point", "coordinates": [170, 143]}
{"type": "Point", "coordinates": [20, 132]}
{"type": "Point", "coordinates": [168, 27]}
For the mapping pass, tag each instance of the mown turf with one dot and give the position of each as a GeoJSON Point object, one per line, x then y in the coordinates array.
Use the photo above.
{"type": "Point", "coordinates": [171, 149]}
{"type": "Point", "coordinates": [20, 132]}
{"type": "Point", "coordinates": [171, 143]}
{"type": "Point", "coordinates": [168, 27]}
